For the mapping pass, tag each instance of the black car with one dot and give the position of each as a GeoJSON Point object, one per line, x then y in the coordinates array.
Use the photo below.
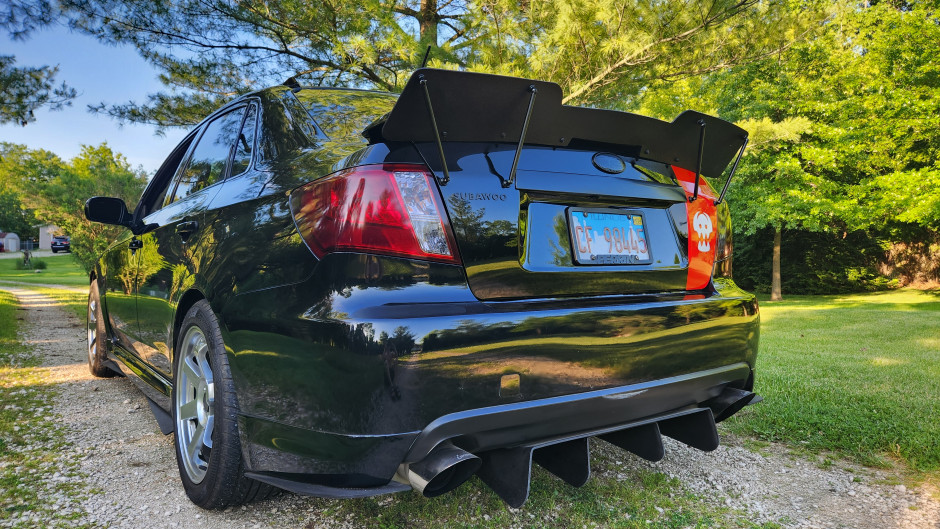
{"type": "Point", "coordinates": [61, 243]}
{"type": "Point", "coordinates": [346, 293]}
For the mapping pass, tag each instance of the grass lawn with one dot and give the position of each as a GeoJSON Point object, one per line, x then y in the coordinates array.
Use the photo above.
{"type": "Point", "coordinates": [60, 271]}
{"type": "Point", "coordinates": [858, 375]}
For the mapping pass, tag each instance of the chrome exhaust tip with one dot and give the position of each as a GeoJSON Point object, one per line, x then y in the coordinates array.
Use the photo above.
{"type": "Point", "coordinates": [443, 470]}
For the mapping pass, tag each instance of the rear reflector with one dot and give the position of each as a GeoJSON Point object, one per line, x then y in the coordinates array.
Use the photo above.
{"type": "Point", "coordinates": [391, 209]}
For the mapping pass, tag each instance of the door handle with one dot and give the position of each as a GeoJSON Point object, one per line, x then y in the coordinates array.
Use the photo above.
{"type": "Point", "coordinates": [185, 228]}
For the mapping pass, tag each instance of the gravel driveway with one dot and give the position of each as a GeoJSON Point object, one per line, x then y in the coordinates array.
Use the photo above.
{"type": "Point", "coordinates": [131, 477]}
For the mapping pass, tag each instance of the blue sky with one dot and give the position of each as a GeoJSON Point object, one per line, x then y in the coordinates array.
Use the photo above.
{"type": "Point", "coordinates": [99, 73]}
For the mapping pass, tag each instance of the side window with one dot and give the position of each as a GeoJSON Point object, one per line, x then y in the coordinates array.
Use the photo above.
{"type": "Point", "coordinates": [162, 182]}
{"type": "Point", "coordinates": [245, 143]}
{"type": "Point", "coordinates": [211, 155]}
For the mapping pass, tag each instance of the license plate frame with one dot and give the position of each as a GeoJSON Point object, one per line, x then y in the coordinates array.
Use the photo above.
{"type": "Point", "coordinates": [625, 238]}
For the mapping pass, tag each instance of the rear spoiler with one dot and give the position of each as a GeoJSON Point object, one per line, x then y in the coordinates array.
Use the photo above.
{"type": "Point", "coordinates": [476, 107]}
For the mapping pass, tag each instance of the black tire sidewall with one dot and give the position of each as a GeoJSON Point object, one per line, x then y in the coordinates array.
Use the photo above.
{"type": "Point", "coordinates": [220, 486]}
{"type": "Point", "coordinates": [96, 364]}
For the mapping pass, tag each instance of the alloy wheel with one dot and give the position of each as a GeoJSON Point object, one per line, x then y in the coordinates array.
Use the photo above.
{"type": "Point", "coordinates": [195, 403]}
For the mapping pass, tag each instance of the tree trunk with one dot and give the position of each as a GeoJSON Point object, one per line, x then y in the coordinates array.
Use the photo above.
{"type": "Point", "coordinates": [775, 294]}
{"type": "Point", "coordinates": [427, 23]}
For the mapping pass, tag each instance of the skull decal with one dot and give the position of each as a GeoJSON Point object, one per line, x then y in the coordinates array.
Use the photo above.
{"type": "Point", "coordinates": [702, 224]}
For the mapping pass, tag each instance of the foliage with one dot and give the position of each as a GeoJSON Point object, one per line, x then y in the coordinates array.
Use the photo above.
{"type": "Point", "coordinates": [845, 127]}
{"type": "Point", "coordinates": [34, 264]}
{"type": "Point", "coordinates": [24, 89]}
{"type": "Point", "coordinates": [600, 51]}
{"type": "Point", "coordinates": [17, 164]}
{"type": "Point", "coordinates": [812, 262]}
{"type": "Point", "coordinates": [56, 191]}
{"type": "Point", "coordinates": [13, 216]}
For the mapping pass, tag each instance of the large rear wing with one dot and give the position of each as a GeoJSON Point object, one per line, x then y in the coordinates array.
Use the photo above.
{"type": "Point", "coordinates": [476, 107]}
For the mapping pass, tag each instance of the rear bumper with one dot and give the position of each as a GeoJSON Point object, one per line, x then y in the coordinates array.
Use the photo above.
{"type": "Point", "coordinates": [373, 358]}
{"type": "Point", "coordinates": [631, 417]}
{"type": "Point", "coordinates": [579, 415]}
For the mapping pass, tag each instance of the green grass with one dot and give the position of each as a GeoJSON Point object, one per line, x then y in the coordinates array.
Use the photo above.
{"type": "Point", "coordinates": [857, 375]}
{"type": "Point", "coordinates": [59, 271]}
{"type": "Point", "coordinates": [31, 443]}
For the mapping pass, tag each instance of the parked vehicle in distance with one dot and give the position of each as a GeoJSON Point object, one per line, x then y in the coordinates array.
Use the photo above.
{"type": "Point", "coordinates": [61, 243]}
{"type": "Point", "coordinates": [347, 293]}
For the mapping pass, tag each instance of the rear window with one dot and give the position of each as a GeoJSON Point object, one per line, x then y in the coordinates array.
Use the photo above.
{"type": "Point", "coordinates": [345, 113]}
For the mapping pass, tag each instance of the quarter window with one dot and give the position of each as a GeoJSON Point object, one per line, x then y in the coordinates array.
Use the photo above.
{"type": "Point", "coordinates": [211, 155]}
{"type": "Point", "coordinates": [245, 143]}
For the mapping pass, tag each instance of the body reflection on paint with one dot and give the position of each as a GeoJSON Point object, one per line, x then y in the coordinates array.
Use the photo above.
{"type": "Point", "coordinates": [387, 356]}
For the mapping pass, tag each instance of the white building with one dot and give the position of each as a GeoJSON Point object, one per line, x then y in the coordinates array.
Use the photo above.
{"type": "Point", "coordinates": [11, 241]}
{"type": "Point", "coordinates": [45, 236]}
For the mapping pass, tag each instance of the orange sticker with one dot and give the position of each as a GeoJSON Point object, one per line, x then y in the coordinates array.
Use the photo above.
{"type": "Point", "coordinates": [703, 229]}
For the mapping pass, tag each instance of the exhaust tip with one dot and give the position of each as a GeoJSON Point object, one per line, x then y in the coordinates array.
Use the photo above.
{"type": "Point", "coordinates": [730, 402]}
{"type": "Point", "coordinates": [442, 471]}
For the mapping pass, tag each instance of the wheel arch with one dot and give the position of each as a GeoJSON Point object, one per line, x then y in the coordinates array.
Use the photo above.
{"type": "Point", "coordinates": [187, 300]}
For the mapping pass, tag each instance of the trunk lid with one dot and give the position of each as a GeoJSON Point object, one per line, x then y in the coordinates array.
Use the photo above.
{"type": "Point", "coordinates": [518, 242]}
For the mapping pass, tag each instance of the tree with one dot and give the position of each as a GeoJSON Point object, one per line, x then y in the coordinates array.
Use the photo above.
{"type": "Point", "coordinates": [601, 51]}
{"type": "Point", "coordinates": [25, 89]}
{"type": "Point", "coordinates": [56, 191]}
{"type": "Point", "coordinates": [17, 165]}
{"type": "Point", "coordinates": [844, 127]}
{"type": "Point", "coordinates": [14, 216]}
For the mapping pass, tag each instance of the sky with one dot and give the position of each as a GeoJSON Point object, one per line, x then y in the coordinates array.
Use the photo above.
{"type": "Point", "coordinates": [100, 73]}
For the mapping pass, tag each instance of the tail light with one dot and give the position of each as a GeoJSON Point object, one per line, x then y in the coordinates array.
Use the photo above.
{"type": "Point", "coordinates": [389, 209]}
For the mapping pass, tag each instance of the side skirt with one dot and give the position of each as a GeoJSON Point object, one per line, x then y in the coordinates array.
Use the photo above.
{"type": "Point", "coordinates": [152, 384]}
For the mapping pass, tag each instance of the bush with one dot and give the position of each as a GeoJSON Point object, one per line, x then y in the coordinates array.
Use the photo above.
{"type": "Point", "coordinates": [812, 262]}
{"type": "Point", "coordinates": [35, 264]}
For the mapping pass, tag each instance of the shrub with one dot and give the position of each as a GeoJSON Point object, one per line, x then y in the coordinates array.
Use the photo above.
{"type": "Point", "coordinates": [35, 264]}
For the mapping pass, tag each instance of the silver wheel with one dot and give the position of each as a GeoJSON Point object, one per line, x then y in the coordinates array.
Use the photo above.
{"type": "Point", "coordinates": [195, 404]}
{"type": "Point", "coordinates": [92, 324]}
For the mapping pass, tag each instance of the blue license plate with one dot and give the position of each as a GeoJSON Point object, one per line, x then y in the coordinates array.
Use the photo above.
{"type": "Point", "coordinates": [603, 237]}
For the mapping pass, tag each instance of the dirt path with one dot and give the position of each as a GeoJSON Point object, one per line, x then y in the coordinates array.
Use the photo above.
{"type": "Point", "coordinates": [132, 481]}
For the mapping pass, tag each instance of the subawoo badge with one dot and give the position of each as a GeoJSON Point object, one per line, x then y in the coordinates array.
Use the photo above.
{"type": "Point", "coordinates": [702, 224]}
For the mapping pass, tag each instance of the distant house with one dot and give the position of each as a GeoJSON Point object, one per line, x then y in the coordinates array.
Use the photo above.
{"type": "Point", "coordinates": [11, 241]}
{"type": "Point", "coordinates": [45, 235]}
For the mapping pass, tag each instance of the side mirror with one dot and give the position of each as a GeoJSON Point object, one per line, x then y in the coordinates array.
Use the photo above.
{"type": "Point", "coordinates": [107, 210]}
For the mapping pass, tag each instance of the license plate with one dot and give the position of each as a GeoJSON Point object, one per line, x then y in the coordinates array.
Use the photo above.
{"type": "Point", "coordinates": [607, 238]}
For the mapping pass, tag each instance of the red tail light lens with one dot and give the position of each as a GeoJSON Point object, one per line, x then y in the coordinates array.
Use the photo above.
{"type": "Point", "coordinates": [391, 209]}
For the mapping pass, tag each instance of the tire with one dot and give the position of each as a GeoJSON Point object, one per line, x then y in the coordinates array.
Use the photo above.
{"type": "Point", "coordinates": [94, 325]}
{"type": "Point", "coordinates": [208, 449]}
{"type": "Point", "coordinates": [55, 251]}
